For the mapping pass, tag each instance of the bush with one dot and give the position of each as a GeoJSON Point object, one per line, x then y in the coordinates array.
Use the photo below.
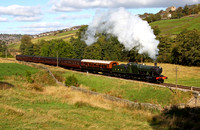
{"type": "Point", "coordinates": [71, 81]}
{"type": "Point", "coordinates": [28, 77]}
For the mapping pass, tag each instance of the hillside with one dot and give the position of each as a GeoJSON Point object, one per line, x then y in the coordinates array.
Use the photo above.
{"type": "Point", "coordinates": [10, 38]}
{"type": "Point", "coordinates": [64, 35]}
{"type": "Point", "coordinates": [167, 27]}
{"type": "Point", "coordinates": [175, 26]}
{"type": "Point", "coordinates": [44, 104]}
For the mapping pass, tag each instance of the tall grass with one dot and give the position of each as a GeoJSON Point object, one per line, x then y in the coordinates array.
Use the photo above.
{"type": "Point", "coordinates": [23, 106]}
{"type": "Point", "coordinates": [60, 108]}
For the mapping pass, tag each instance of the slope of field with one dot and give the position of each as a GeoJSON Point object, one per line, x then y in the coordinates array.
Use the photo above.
{"type": "Point", "coordinates": [175, 26]}
{"type": "Point", "coordinates": [44, 105]}
{"type": "Point", "coordinates": [65, 36]}
{"type": "Point", "coordinates": [133, 91]}
{"type": "Point", "coordinates": [8, 69]}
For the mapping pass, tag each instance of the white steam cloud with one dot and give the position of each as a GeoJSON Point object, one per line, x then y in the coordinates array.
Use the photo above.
{"type": "Point", "coordinates": [130, 30]}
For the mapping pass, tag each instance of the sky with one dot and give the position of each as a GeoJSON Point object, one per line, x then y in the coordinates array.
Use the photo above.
{"type": "Point", "coordinates": [37, 16]}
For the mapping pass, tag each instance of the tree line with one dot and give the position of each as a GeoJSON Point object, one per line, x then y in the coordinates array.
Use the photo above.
{"type": "Point", "coordinates": [4, 49]}
{"type": "Point", "coordinates": [180, 12]}
{"type": "Point", "coordinates": [184, 49]}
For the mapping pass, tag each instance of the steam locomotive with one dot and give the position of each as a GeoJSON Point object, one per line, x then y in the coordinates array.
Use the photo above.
{"type": "Point", "coordinates": [112, 68]}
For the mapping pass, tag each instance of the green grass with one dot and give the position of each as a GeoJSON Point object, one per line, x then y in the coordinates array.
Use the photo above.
{"type": "Point", "coordinates": [56, 107]}
{"type": "Point", "coordinates": [22, 109]}
{"type": "Point", "coordinates": [175, 26]}
{"type": "Point", "coordinates": [9, 69]}
{"type": "Point", "coordinates": [15, 46]}
{"type": "Point", "coordinates": [65, 36]}
{"type": "Point", "coordinates": [25, 108]}
{"type": "Point", "coordinates": [133, 91]}
{"type": "Point", "coordinates": [66, 33]}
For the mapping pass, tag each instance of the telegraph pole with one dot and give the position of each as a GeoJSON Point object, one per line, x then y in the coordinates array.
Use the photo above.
{"type": "Point", "coordinates": [57, 58]}
{"type": "Point", "coordinates": [176, 76]}
{"type": "Point", "coordinates": [6, 53]}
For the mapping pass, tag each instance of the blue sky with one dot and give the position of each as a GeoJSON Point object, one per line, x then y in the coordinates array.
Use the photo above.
{"type": "Point", "coordinates": [37, 16]}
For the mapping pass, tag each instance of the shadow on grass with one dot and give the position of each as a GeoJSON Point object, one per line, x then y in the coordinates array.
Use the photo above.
{"type": "Point", "coordinates": [177, 118]}
{"type": "Point", "coordinates": [5, 85]}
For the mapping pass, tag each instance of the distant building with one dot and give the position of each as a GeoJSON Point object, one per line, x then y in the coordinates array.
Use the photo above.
{"type": "Point", "coordinates": [172, 8]}
{"type": "Point", "coordinates": [167, 13]}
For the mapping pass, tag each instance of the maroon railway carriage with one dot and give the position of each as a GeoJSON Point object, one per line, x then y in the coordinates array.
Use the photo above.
{"type": "Point", "coordinates": [98, 65]}
{"type": "Point", "coordinates": [24, 58]}
{"type": "Point", "coordinates": [64, 62]}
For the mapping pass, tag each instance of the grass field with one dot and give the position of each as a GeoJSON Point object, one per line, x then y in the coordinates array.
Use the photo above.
{"type": "Point", "coordinates": [65, 36]}
{"type": "Point", "coordinates": [8, 69]}
{"type": "Point", "coordinates": [175, 26]}
{"type": "Point", "coordinates": [24, 106]}
{"type": "Point", "coordinates": [21, 108]}
{"type": "Point", "coordinates": [133, 91]}
{"type": "Point", "coordinates": [14, 46]}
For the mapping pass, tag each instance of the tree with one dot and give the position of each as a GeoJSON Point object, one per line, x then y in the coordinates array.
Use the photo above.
{"type": "Point", "coordinates": [53, 47]}
{"type": "Point", "coordinates": [196, 9]}
{"type": "Point", "coordinates": [78, 44]}
{"type": "Point", "coordinates": [92, 52]}
{"type": "Point", "coordinates": [26, 46]}
{"type": "Point", "coordinates": [37, 47]}
{"type": "Point", "coordinates": [186, 10]}
{"type": "Point", "coordinates": [164, 49]}
{"type": "Point", "coordinates": [156, 30]}
{"type": "Point", "coordinates": [179, 12]}
{"type": "Point", "coordinates": [78, 47]}
{"type": "Point", "coordinates": [186, 51]}
{"type": "Point", "coordinates": [3, 48]}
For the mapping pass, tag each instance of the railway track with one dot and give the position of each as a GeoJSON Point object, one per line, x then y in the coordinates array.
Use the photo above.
{"type": "Point", "coordinates": [189, 88]}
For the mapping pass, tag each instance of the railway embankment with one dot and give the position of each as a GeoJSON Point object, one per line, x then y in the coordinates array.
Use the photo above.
{"type": "Point", "coordinates": [119, 93]}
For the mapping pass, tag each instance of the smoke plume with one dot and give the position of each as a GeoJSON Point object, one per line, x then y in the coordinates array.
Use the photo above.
{"type": "Point", "coordinates": [130, 30]}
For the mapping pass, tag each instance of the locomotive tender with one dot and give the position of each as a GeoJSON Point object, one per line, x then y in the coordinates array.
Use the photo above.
{"type": "Point", "coordinates": [130, 70]}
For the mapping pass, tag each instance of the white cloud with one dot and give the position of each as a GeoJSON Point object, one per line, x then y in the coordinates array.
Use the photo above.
{"type": "Point", "coordinates": [75, 5]}
{"type": "Point", "coordinates": [45, 25]}
{"type": "Point", "coordinates": [3, 19]}
{"type": "Point", "coordinates": [75, 16]}
{"type": "Point", "coordinates": [17, 10]}
{"type": "Point", "coordinates": [27, 19]}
